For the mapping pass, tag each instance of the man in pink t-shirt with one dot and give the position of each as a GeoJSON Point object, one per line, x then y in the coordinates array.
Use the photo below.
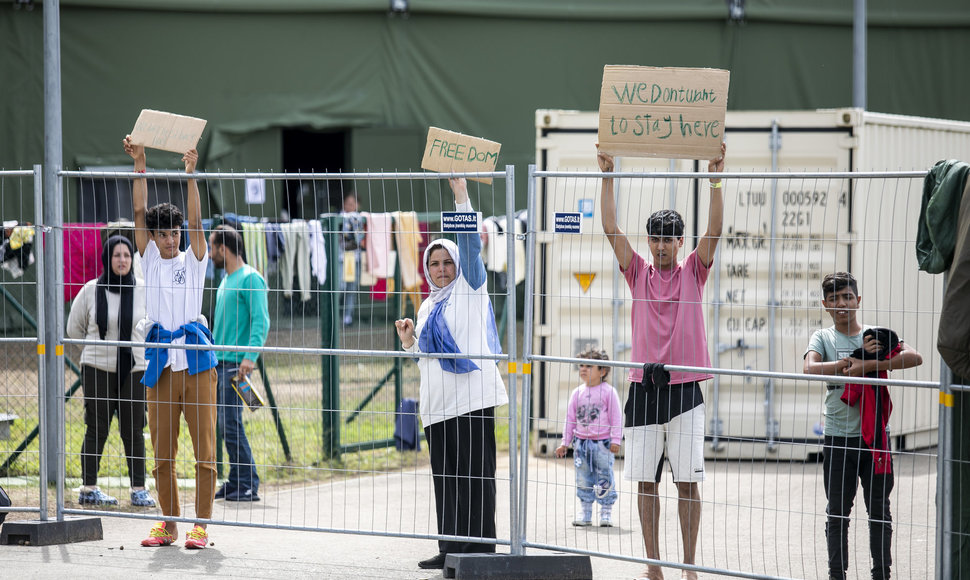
{"type": "Point", "coordinates": [668, 328]}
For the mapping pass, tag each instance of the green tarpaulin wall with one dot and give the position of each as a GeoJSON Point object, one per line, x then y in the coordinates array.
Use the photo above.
{"type": "Point", "coordinates": [477, 66]}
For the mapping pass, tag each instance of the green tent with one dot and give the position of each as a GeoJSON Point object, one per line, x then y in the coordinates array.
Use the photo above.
{"type": "Point", "coordinates": [352, 85]}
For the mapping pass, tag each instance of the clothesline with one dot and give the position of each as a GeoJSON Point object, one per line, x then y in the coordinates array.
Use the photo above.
{"type": "Point", "coordinates": [297, 249]}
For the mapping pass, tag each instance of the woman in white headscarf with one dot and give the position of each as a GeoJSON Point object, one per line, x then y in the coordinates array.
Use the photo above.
{"type": "Point", "coordinates": [458, 395]}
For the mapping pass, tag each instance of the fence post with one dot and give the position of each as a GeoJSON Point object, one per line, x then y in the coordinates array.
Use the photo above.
{"type": "Point", "coordinates": [530, 257]}
{"type": "Point", "coordinates": [330, 338]}
{"type": "Point", "coordinates": [41, 329]}
{"type": "Point", "coordinates": [514, 436]}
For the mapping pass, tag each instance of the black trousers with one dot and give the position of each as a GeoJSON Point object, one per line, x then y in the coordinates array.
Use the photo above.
{"type": "Point", "coordinates": [463, 471]}
{"type": "Point", "coordinates": [845, 462]}
{"type": "Point", "coordinates": [105, 395]}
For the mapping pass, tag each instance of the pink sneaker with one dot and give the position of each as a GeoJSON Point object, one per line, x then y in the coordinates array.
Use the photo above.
{"type": "Point", "coordinates": [196, 539]}
{"type": "Point", "coordinates": [158, 536]}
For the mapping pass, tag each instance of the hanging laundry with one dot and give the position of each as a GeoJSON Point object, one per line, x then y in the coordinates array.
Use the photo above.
{"type": "Point", "coordinates": [518, 228]}
{"type": "Point", "coordinates": [296, 253]}
{"type": "Point", "coordinates": [318, 251]}
{"type": "Point", "coordinates": [378, 243]}
{"type": "Point", "coordinates": [496, 254]}
{"type": "Point", "coordinates": [15, 254]}
{"type": "Point", "coordinates": [407, 237]}
{"type": "Point", "coordinates": [254, 239]}
{"type": "Point", "coordinates": [82, 256]}
{"type": "Point", "coordinates": [366, 278]}
{"type": "Point", "coordinates": [274, 242]}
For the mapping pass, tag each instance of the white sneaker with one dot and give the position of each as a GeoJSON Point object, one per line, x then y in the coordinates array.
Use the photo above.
{"type": "Point", "coordinates": [606, 517]}
{"type": "Point", "coordinates": [584, 517]}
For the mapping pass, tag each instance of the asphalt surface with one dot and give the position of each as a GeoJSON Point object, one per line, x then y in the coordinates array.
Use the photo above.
{"type": "Point", "coordinates": [759, 517]}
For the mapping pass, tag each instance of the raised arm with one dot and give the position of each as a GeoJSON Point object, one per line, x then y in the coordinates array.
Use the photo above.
{"type": "Point", "coordinates": [618, 240]}
{"type": "Point", "coordinates": [715, 219]}
{"type": "Point", "coordinates": [469, 244]}
{"type": "Point", "coordinates": [196, 235]}
{"type": "Point", "coordinates": [139, 194]}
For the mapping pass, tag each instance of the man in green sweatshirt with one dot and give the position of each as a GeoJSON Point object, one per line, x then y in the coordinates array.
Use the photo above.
{"type": "Point", "coordinates": [241, 319]}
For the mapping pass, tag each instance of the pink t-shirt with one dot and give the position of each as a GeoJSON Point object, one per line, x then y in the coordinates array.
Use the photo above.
{"type": "Point", "coordinates": [593, 413]}
{"type": "Point", "coordinates": [668, 316]}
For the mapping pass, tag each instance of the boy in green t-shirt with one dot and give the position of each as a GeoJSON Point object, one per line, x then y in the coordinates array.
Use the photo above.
{"type": "Point", "coordinates": [846, 457]}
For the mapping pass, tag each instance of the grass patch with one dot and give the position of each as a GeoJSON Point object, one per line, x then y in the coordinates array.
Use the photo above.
{"type": "Point", "coordinates": [296, 383]}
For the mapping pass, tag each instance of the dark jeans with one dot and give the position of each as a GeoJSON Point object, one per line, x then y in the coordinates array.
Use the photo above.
{"type": "Point", "coordinates": [846, 461]}
{"type": "Point", "coordinates": [463, 468]}
{"type": "Point", "coordinates": [105, 395]}
{"type": "Point", "coordinates": [242, 467]}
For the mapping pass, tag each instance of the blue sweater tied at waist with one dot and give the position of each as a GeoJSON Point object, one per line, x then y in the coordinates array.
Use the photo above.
{"type": "Point", "coordinates": [195, 333]}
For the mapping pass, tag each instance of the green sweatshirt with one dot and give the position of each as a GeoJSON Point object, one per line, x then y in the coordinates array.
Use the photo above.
{"type": "Point", "coordinates": [242, 314]}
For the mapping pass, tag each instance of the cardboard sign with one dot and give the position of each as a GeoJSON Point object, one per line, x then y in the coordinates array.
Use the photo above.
{"type": "Point", "coordinates": [167, 131]}
{"type": "Point", "coordinates": [663, 112]}
{"type": "Point", "coordinates": [447, 152]}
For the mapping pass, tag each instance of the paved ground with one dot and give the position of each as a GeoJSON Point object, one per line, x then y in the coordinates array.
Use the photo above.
{"type": "Point", "coordinates": [759, 517]}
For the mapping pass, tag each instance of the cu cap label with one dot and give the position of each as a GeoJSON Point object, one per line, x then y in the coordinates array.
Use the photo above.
{"type": "Point", "coordinates": [460, 221]}
{"type": "Point", "coordinates": [568, 222]}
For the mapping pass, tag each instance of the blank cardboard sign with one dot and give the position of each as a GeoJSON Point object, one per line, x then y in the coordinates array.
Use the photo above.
{"type": "Point", "coordinates": [167, 131]}
{"type": "Point", "coordinates": [673, 113]}
{"type": "Point", "coordinates": [450, 152]}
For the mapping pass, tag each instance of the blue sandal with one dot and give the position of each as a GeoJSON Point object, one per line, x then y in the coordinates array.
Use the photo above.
{"type": "Point", "coordinates": [95, 497]}
{"type": "Point", "coordinates": [142, 498]}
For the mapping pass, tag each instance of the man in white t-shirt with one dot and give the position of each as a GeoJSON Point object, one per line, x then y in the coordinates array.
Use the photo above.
{"type": "Point", "coordinates": [180, 382]}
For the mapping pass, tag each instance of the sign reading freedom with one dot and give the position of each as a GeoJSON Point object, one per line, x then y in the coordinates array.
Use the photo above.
{"type": "Point", "coordinates": [167, 131]}
{"type": "Point", "coordinates": [673, 113]}
{"type": "Point", "coordinates": [450, 152]}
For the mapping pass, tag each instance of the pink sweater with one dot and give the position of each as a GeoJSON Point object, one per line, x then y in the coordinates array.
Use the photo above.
{"type": "Point", "coordinates": [593, 413]}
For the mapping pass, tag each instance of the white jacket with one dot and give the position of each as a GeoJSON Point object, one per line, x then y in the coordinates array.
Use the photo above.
{"type": "Point", "coordinates": [82, 323]}
{"type": "Point", "coordinates": [445, 395]}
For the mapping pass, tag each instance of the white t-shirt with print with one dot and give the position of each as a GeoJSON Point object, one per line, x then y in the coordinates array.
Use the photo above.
{"type": "Point", "coordinates": [173, 294]}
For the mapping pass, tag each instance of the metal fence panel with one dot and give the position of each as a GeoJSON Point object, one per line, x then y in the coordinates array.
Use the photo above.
{"type": "Point", "coordinates": [21, 351]}
{"type": "Point", "coordinates": [763, 505]}
{"type": "Point", "coordinates": [331, 369]}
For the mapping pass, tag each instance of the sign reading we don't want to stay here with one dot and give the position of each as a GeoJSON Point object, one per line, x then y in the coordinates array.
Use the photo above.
{"type": "Point", "coordinates": [167, 131]}
{"type": "Point", "coordinates": [450, 152]}
{"type": "Point", "coordinates": [674, 113]}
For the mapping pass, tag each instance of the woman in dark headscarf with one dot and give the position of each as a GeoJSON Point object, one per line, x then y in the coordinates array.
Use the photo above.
{"type": "Point", "coordinates": [109, 308]}
{"type": "Point", "coordinates": [458, 395]}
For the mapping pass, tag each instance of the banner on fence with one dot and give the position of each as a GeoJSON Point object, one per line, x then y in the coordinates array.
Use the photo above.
{"type": "Point", "coordinates": [663, 112]}
{"type": "Point", "coordinates": [167, 131]}
{"type": "Point", "coordinates": [447, 151]}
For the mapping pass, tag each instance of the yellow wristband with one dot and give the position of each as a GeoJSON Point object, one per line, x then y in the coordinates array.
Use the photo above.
{"type": "Point", "coordinates": [716, 185]}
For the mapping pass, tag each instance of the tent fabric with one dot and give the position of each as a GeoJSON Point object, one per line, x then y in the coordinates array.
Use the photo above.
{"type": "Point", "coordinates": [482, 67]}
{"type": "Point", "coordinates": [889, 12]}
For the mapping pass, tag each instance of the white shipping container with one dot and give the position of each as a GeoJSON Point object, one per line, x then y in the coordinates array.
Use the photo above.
{"type": "Point", "coordinates": [780, 237]}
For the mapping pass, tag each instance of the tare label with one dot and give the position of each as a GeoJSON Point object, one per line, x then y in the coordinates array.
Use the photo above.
{"type": "Point", "coordinates": [460, 221]}
{"type": "Point", "coordinates": [568, 222]}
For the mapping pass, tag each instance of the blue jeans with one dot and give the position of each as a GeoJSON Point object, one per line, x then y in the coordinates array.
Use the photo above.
{"type": "Point", "coordinates": [242, 468]}
{"type": "Point", "coordinates": [594, 471]}
{"type": "Point", "coordinates": [349, 290]}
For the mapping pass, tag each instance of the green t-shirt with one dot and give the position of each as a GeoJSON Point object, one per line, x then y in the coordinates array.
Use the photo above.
{"type": "Point", "coordinates": [841, 420]}
{"type": "Point", "coordinates": [242, 314]}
